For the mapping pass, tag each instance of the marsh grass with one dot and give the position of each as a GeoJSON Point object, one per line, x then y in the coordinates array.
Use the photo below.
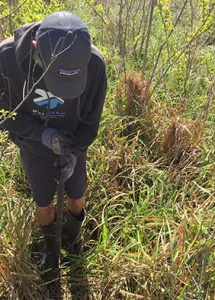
{"type": "Point", "coordinates": [149, 232]}
{"type": "Point", "coordinates": [150, 224]}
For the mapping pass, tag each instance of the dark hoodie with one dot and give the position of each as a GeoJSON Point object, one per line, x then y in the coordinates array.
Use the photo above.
{"type": "Point", "coordinates": [18, 74]}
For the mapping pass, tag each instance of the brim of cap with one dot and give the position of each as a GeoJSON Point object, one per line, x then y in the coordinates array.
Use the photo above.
{"type": "Point", "coordinates": [66, 88]}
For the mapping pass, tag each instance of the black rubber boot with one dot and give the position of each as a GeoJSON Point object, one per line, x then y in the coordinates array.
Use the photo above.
{"type": "Point", "coordinates": [74, 230]}
{"type": "Point", "coordinates": [49, 233]}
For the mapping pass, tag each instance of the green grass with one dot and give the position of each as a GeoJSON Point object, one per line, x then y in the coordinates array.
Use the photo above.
{"type": "Point", "coordinates": [149, 229]}
{"type": "Point", "coordinates": [150, 201]}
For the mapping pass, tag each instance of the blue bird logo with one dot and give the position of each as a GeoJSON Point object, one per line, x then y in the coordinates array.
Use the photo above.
{"type": "Point", "coordinates": [46, 97]}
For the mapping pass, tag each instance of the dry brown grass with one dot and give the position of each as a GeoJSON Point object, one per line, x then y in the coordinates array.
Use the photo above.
{"type": "Point", "coordinates": [181, 143]}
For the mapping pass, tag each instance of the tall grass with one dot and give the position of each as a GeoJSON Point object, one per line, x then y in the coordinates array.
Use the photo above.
{"type": "Point", "coordinates": [149, 232]}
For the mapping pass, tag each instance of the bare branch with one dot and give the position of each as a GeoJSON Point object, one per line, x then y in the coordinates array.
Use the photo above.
{"type": "Point", "coordinates": [13, 11]}
{"type": "Point", "coordinates": [165, 42]}
{"type": "Point", "coordinates": [148, 36]}
{"type": "Point", "coordinates": [100, 16]}
{"type": "Point", "coordinates": [210, 98]}
{"type": "Point", "coordinates": [144, 30]}
{"type": "Point", "coordinates": [196, 35]}
{"type": "Point", "coordinates": [54, 57]}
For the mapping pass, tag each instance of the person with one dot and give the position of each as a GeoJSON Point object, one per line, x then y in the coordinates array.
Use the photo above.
{"type": "Point", "coordinates": [55, 79]}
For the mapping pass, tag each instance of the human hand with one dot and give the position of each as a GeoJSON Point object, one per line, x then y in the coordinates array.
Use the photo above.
{"type": "Point", "coordinates": [62, 173]}
{"type": "Point", "coordinates": [60, 141]}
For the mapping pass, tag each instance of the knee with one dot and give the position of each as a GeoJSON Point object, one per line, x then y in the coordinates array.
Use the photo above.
{"type": "Point", "coordinates": [44, 210]}
{"type": "Point", "coordinates": [75, 205]}
{"type": "Point", "coordinates": [45, 215]}
{"type": "Point", "coordinates": [75, 202]}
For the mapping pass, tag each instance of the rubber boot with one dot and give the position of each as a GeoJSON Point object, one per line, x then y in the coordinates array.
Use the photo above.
{"type": "Point", "coordinates": [49, 233]}
{"type": "Point", "coordinates": [74, 225]}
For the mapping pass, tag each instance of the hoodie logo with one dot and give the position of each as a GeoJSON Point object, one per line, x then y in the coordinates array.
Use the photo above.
{"type": "Point", "coordinates": [46, 97]}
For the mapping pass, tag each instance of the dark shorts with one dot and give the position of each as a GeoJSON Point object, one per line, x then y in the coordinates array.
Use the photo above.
{"type": "Point", "coordinates": [39, 171]}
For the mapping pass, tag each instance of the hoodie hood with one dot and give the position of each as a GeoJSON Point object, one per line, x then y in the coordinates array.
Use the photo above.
{"type": "Point", "coordinates": [23, 37]}
{"type": "Point", "coordinates": [41, 106]}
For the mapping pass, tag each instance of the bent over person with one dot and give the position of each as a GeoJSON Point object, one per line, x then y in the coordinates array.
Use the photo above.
{"type": "Point", "coordinates": [57, 78]}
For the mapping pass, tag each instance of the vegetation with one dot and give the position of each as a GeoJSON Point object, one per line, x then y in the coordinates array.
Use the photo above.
{"type": "Point", "coordinates": [150, 225]}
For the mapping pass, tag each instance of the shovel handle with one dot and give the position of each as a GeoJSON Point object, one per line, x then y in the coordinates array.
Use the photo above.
{"type": "Point", "coordinates": [62, 160]}
{"type": "Point", "coordinates": [60, 204]}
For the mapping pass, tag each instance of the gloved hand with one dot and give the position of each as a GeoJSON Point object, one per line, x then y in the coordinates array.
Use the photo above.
{"type": "Point", "coordinates": [65, 172]}
{"type": "Point", "coordinates": [60, 141]}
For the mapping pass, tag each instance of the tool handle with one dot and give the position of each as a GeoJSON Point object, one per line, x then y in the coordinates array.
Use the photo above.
{"type": "Point", "coordinates": [62, 160]}
{"type": "Point", "coordinates": [60, 204]}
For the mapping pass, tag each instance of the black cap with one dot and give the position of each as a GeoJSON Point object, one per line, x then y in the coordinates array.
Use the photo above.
{"type": "Point", "coordinates": [64, 46]}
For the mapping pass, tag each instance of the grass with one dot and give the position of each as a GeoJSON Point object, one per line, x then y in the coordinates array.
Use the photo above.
{"type": "Point", "coordinates": [150, 220]}
{"type": "Point", "coordinates": [150, 227]}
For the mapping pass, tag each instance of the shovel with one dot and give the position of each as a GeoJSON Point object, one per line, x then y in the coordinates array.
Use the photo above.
{"type": "Point", "coordinates": [60, 204]}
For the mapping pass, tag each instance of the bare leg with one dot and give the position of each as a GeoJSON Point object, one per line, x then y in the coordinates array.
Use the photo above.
{"type": "Point", "coordinates": [75, 206]}
{"type": "Point", "coordinates": [45, 215]}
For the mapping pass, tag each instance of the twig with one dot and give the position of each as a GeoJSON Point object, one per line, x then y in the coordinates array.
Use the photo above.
{"type": "Point", "coordinates": [144, 30]}
{"type": "Point", "coordinates": [165, 42]}
{"type": "Point", "coordinates": [55, 56]}
{"type": "Point", "coordinates": [99, 15]}
{"type": "Point", "coordinates": [13, 11]}
{"type": "Point", "coordinates": [140, 23]}
{"type": "Point", "coordinates": [197, 34]}
{"type": "Point", "coordinates": [148, 36]}
{"type": "Point", "coordinates": [205, 108]}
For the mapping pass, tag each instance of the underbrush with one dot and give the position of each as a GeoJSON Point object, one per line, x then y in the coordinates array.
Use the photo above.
{"type": "Point", "coordinates": [150, 225]}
